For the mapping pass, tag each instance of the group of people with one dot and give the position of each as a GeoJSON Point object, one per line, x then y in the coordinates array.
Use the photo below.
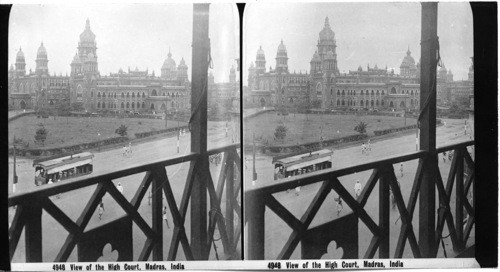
{"type": "Point", "coordinates": [366, 148]}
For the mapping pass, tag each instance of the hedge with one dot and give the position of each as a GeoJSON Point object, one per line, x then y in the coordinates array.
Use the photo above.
{"type": "Point", "coordinates": [66, 149]}
{"type": "Point", "coordinates": [140, 135]}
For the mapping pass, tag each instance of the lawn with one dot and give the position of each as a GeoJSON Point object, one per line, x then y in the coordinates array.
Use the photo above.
{"type": "Point", "coordinates": [308, 128]}
{"type": "Point", "coordinates": [65, 131]}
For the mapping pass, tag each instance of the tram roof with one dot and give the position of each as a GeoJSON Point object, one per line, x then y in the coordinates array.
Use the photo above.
{"type": "Point", "coordinates": [311, 157]}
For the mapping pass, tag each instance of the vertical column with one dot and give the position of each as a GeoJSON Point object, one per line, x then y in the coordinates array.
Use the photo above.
{"type": "Point", "coordinates": [157, 213]}
{"type": "Point", "coordinates": [201, 46]}
{"type": "Point", "coordinates": [230, 202]}
{"type": "Point", "coordinates": [33, 232]}
{"type": "Point", "coordinates": [383, 213]}
{"type": "Point", "coordinates": [427, 204]}
{"type": "Point", "coordinates": [254, 212]}
{"type": "Point", "coordinates": [459, 198]}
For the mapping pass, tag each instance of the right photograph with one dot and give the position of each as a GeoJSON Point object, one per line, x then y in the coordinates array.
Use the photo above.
{"type": "Point", "coordinates": [358, 131]}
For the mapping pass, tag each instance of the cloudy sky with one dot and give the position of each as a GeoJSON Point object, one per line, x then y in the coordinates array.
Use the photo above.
{"type": "Point", "coordinates": [366, 33]}
{"type": "Point", "coordinates": [127, 35]}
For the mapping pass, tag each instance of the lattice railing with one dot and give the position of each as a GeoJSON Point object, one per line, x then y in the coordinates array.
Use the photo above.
{"type": "Point", "coordinates": [30, 204]}
{"type": "Point", "coordinates": [260, 198]}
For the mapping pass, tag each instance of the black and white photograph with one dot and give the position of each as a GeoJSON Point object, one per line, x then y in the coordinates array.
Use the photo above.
{"type": "Point", "coordinates": [338, 123]}
{"type": "Point", "coordinates": [124, 133]}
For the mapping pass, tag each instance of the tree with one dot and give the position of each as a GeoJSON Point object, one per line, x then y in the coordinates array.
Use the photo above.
{"type": "Point", "coordinates": [280, 132]}
{"type": "Point", "coordinates": [121, 130]}
{"type": "Point", "coordinates": [41, 134]}
{"type": "Point", "coordinates": [77, 106]}
{"type": "Point", "coordinates": [361, 127]}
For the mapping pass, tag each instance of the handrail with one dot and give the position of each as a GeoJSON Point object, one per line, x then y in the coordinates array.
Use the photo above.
{"type": "Point", "coordinates": [85, 181]}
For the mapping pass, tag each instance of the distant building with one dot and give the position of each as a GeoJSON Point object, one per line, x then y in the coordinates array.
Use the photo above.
{"type": "Point", "coordinates": [131, 91]}
{"type": "Point", "coordinates": [223, 93]}
{"type": "Point", "coordinates": [326, 88]}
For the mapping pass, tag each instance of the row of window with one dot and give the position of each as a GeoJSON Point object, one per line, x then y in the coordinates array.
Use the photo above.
{"type": "Point", "coordinates": [153, 93]}
{"type": "Point", "coordinates": [133, 105]}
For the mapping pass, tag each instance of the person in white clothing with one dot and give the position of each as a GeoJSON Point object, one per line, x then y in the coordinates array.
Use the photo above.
{"type": "Point", "coordinates": [357, 188]}
{"type": "Point", "coordinates": [120, 187]}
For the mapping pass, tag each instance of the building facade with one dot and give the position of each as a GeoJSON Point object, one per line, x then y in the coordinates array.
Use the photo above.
{"type": "Point", "coordinates": [324, 87]}
{"type": "Point", "coordinates": [131, 91]}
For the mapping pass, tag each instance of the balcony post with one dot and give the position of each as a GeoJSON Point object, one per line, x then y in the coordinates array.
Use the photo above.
{"type": "Point", "coordinates": [255, 214]}
{"type": "Point", "coordinates": [157, 214]}
{"type": "Point", "coordinates": [459, 199]}
{"type": "Point", "coordinates": [384, 214]}
{"type": "Point", "coordinates": [201, 46]}
{"type": "Point", "coordinates": [33, 232]}
{"type": "Point", "coordinates": [427, 204]}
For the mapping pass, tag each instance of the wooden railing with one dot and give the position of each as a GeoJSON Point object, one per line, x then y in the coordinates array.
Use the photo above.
{"type": "Point", "coordinates": [30, 204]}
{"type": "Point", "coordinates": [257, 199]}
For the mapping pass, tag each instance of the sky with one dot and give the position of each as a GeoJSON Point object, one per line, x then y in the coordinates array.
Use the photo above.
{"type": "Point", "coordinates": [366, 33]}
{"type": "Point", "coordinates": [127, 35]}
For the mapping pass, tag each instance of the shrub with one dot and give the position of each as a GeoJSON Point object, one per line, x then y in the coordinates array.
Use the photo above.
{"type": "Point", "coordinates": [361, 127]}
{"type": "Point", "coordinates": [280, 132]}
{"type": "Point", "coordinates": [41, 134]}
{"type": "Point", "coordinates": [121, 130]}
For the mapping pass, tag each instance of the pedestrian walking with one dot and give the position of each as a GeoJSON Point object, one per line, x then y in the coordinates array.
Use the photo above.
{"type": "Point", "coordinates": [149, 198]}
{"type": "Point", "coordinates": [444, 157]}
{"type": "Point", "coordinates": [130, 148]}
{"type": "Point", "coordinates": [357, 188]}
{"type": "Point", "coordinates": [369, 145]}
{"type": "Point", "coordinates": [124, 151]}
{"type": "Point", "coordinates": [363, 148]}
{"type": "Point", "coordinates": [465, 130]}
{"type": "Point", "coordinates": [120, 187]}
{"type": "Point", "coordinates": [165, 216]}
{"type": "Point", "coordinates": [101, 210]}
{"type": "Point", "coordinates": [340, 206]}
{"type": "Point", "coordinates": [297, 190]}
{"type": "Point", "coordinates": [401, 169]}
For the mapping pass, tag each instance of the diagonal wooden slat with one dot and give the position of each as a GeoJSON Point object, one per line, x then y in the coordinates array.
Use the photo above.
{"type": "Point", "coordinates": [129, 209]}
{"type": "Point", "coordinates": [306, 219]}
{"type": "Point", "coordinates": [444, 201]}
{"type": "Point", "coordinates": [451, 175]}
{"type": "Point", "coordinates": [372, 248]}
{"type": "Point", "coordinates": [468, 160]}
{"type": "Point", "coordinates": [146, 250]}
{"type": "Point", "coordinates": [468, 228]}
{"type": "Point", "coordinates": [354, 205]}
{"type": "Point", "coordinates": [468, 182]}
{"type": "Point", "coordinates": [15, 230]}
{"type": "Point", "coordinates": [216, 217]}
{"type": "Point", "coordinates": [59, 215]}
{"type": "Point", "coordinates": [82, 222]}
{"type": "Point", "coordinates": [141, 191]}
{"type": "Point", "coordinates": [403, 235]}
{"type": "Point", "coordinates": [284, 214]}
{"type": "Point", "coordinates": [368, 188]}
{"type": "Point", "coordinates": [405, 215]}
{"type": "Point", "coordinates": [236, 159]}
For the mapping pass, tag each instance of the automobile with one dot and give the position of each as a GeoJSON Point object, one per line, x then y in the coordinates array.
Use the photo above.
{"type": "Point", "coordinates": [137, 113]}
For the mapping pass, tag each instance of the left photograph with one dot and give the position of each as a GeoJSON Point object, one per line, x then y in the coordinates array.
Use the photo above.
{"type": "Point", "coordinates": [124, 133]}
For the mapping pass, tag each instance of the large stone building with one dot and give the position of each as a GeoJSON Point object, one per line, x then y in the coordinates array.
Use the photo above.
{"type": "Point", "coordinates": [131, 91]}
{"type": "Point", "coordinates": [326, 88]}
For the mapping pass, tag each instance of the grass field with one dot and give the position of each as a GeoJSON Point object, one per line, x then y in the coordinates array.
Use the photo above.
{"type": "Point", "coordinates": [304, 128]}
{"type": "Point", "coordinates": [64, 131]}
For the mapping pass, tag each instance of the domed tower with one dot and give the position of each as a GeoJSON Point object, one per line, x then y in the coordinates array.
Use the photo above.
{"type": "Point", "coordinates": [281, 59]}
{"type": "Point", "coordinates": [471, 70]}
{"type": "Point", "coordinates": [407, 67]}
{"type": "Point", "coordinates": [12, 72]}
{"type": "Point", "coordinates": [87, 48]}
{"type": "Point", "coordinates": [182, 74]}
{"type": "Point", "coordinates": [232, 75]}
{"type": "Point", "coordinates": [168, 70]}
{"type": "Point", "coordinates": [20, 63]}
{"type": "Point", "coordinates": [251, 76]}
{"type": "Point", "coordinates": [442, 73]}
{"type": "Point", "coordinates": [315, 64]}
{"type": "Point", "coordinates": [260, 61]}
{"type": "Point", "coordinates": [328, 43]}
{"type": "Point", "coordinates": [41, 61]}
{"type": "Point", "coordinates": [449, 77]}
{"type": "Point", "coordinates": [76, 65]}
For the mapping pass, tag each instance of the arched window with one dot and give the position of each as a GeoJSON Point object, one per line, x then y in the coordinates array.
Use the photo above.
{"type": "Point", "coordinates": [123, 105]}
{"type": "Point", "coordinates": [376, 103]}
{"type": "Point", "coordinates": [354, 92]}
{"type": "Point", "coordinates": [393, 91]}
{"type": "Point", "coordinates": [338, 102]}
{"type": "Point", "coordinates": [343, 93]}
{"type": "Point", "coordinates": [123, 95]}
{"type": "Point", "coordinates": [103, 105]}
{"type": "Point", "coordinates": [402, 104]}
{"type": "Point", "coordinates": [371, 104]}
{"type": "Point", "coordinates": [143, 95]}
{"type": "Point", "coordinates": [99, 95]}
{"type": "Point", "coordinates": [133, 95]}
{"type": "Point", "coordinates": [338, 92]}
{"type": "Point", "coordinates": [98, 105]}
{"type": "Point", "coordinates": [162, 107]}
{"type": "Point", "coordinates": [331, 92]}
{"type": "Point", "coordinates": [152, 106]}
{"type": "Point", "coordinates": [372, 92]}
{"type": "Point", "coordinates": [143, 105]}
{"type": "Point", "coordinates": [362, 92]}
{"type": "Point", "coordinates": [291, 100]}
{"type": "Point", "coordinates": [133, 105]}
{"type": "Point", "coordinates": [128, 94]}
{"type": "Point", "coordinates": [378, 92]}
{"type": "Point", "coordinates": [343, 102]}
{"type": "Point", "coordinates": [115, 95]}
{"type": "Point", "coordinates": [138, 104]}
{"type": "Point", "coordinates": [383, 93]}
{"type": "Point", "coordinates": [383, 103]}
{"type": "Point", "coordinates": [361, 103]}
{"type": "Point", "coordinates": [153, 93]}
{"type": "Point", "coordinates": [128, 105]}
{"type": "Point", "coordinates": [411, 92]}
{"type": "Point", "coordinates": [367, 103]}
{"type": "Point", "coordinates": [103, 95]}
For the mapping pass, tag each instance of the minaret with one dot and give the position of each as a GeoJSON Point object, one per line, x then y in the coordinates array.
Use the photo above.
{"type": "Point", "coordinates": [281, 59]}
{"type": "Point", "coordinates": [182, 74]}
{"type": "Point", "coordinates": [260, 61]}
{"type": "Point", "coordinates": [87, 48]}
{"type": "Point", "coordinates": [20, 63]}
{"type": "Point", "coordinates": [41, 61]}
{"type": "Point", "coordinates": [232, 75]}
{"type": "Point", "coordinates": [251, 76]}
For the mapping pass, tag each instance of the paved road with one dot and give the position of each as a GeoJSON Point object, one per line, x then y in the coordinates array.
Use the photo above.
{"type": "Point", "coordinates": [72, 203]}
{"type": "Point", "coordinates": [277, 231]}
